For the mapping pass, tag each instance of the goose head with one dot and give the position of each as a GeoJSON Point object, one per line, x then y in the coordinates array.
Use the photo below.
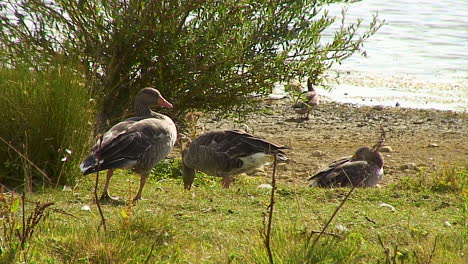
{"type": "Point", "coordinates": [146, 97]}
{"type": "Point", "coordinates": [151, 96]}
{"type": "Point", "coordinates": [369, 155]}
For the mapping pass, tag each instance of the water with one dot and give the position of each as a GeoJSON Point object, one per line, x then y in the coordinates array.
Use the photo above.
{"type": "Point", "coordinates": [419, 58]}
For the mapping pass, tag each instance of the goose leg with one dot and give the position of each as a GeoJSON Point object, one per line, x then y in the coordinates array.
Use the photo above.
{"type": "Point", "coordinates": [140, 190]}
{"type": "Point", "coordinates": [105, 194]}
{"type": "Point", "coordinates": [226, 181]}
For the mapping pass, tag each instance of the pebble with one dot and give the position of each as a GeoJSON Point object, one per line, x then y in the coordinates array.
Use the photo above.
{"type": "Point", "coordinates": [385, 149]}
{"type": "Point", "coordinates": [265, 186]}
{"type": "Point", "coordinates": [389, 206]}
{"type": "Point", "coordinates": [318, 153]}
{"type": "Point", "coordinates": [433, 145]}
{"type": "Point", "coordinates": [341, 228]}
{"type": "Point", "coordinates": [447, 223]}
{"type": "Point", "coordinates": [378, 107]}
{"type": "Point", "coordinates": [410, 166]}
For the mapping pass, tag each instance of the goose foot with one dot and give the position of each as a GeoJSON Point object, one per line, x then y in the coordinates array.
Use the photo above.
{"type": "Point", "coordinates": [106, 198]}
{"type": "Point", "coordinates": [136, 199]}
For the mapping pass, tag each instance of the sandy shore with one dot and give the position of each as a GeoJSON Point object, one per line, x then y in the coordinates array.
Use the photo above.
{"type": "Point", "coordinates": [419, 139]}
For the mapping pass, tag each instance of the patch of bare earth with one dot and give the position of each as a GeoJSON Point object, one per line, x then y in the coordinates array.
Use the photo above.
{"type": "Point", "coordinates": [419, 139]}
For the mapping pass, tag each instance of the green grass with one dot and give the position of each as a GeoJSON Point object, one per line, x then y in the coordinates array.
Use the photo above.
{"type": "Point", "coordinates": [46, 118]}
{"type": "Point", "coordinates": [213, 225]}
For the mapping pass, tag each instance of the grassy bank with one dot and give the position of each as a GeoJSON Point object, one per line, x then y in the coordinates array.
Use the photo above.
{"type": "Point", "coordinates": [214, 225]}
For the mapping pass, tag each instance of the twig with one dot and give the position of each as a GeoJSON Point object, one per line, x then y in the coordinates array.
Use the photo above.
{"type": "Point", "coordinates": [326, 233]}
{"type": "Point", "coordinates": [149, 254]}
{"type": "Point", "coordinates": [26, 158]}
{"type": "Point", "coordinates": [433, 250]}
{"type": "Point", "coordinates": [381, 139]}
{"type": "Point", "coordinates": [331, 218]}
{"type": "Point", "coordinates": [386, 250]}
{"type": "Point", "coordinates": [23, 231]}
{"type": "Point", "coordinates": [98, 157]}
{"type": "Point", "coordinates": [267, 232]}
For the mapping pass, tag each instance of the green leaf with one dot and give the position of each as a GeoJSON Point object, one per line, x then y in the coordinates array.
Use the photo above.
{"type": "Point", "coordinates": [15, 206]}
{"type": "Point", "coordinates": [124, 214]}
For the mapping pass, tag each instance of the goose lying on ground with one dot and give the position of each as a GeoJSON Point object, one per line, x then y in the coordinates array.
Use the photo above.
{"type": "Point", "coordinates": [139, 142]}
{"type": "Point", "coordinates": [363, 169]}
{"type": "Point", "coordinates": [225, 153]}
{"type": "Point", "coordinates": [310, 100]}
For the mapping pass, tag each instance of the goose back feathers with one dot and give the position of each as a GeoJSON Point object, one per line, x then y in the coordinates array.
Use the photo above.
{"type": "Point", "coordinates": [363, 169]}
{"type": "Point", "coordinates": [225, 153]}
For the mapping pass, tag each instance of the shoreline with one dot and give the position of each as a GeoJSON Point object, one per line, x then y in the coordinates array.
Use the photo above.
{"type": "Point", "coordinates": [371, 89]}
{"type": "Point", "coordinates": [420, 139]}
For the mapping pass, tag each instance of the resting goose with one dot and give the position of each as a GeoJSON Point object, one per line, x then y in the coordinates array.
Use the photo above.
{"type": "Point", "coordinates": [363, 169]}
{"type": "Point", "coordinates": [138, 143]}
{"type": "Point", "coordinates": [225, 153]}
{"type": "Point", "coordinates": [311, 99]}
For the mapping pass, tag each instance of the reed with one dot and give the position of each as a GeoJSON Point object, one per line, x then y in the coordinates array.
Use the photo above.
{"type": "Point", "coordinates": [46, 119]}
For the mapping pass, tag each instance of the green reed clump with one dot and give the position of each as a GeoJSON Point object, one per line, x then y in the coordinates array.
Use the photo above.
{"type": "Point", "coordinates": [46, 124]}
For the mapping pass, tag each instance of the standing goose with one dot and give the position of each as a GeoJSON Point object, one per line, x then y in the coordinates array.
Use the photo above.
{"type": "Point", "coordinates": [138, 143]}
{"type": "Point", "coordinates": [363, 169]}
{"type": "Point", "coordinates": [225, 153]}
{"type": "Point", "coordinates": [311, 99]}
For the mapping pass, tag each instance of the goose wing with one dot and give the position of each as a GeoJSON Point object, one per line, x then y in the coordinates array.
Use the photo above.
{"type": "Point", "coordinates": [127, 143]}
{"type": "Point", "coordinates": [347, 174]}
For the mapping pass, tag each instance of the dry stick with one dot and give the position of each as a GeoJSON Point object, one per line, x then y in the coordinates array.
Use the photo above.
{"type": "Point", "coordinates": [386, 250]}
{"type": "Point", "coordinates": [381, 139]}
{"type": "Point", "coordinates": [26, 158]}
{"type": "Point", "coordinates": [331, 218]}
{"type": "Point", "coordinates": [270, 211]}
{"type": "Point", "coordinates": [150, 253]}
{"type": "Point", "coordinates": [23, 236]}
{"type": "Point", "coordinates": [98, 157]}
{"type": "Point", "coordinates": [433, 251]}
{"type": "Point", "coordinates": [326, 233]}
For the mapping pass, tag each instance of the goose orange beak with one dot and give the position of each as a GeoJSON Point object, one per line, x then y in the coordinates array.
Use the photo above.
{"type": "Point", "coordinates": [164, 103]}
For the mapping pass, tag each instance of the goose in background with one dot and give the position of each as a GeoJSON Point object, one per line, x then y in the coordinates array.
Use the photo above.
{"type": "Point", "coordinates": [363, 169]}
{"type": "Point", "coordinates": [225, 153]}
{"type": "Point", "coordinates": [306, 101]}
{"type": "Point", "coordinates": [138, 143]}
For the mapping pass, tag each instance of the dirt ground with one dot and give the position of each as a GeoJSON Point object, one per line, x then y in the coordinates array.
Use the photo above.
{"type": "Point", "coordinates": [419, 139]}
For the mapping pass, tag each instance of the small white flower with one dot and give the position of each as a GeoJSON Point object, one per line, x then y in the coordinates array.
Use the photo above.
{"type": "Point", "coordinates": [341, 228]}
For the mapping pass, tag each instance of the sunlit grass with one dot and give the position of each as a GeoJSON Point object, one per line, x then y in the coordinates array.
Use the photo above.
{"type": "Point", "coordinates": [210, 224]}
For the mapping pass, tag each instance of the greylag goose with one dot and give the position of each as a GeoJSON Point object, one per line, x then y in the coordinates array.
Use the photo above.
{"type": "Point", "coordinates": [138, 143]}
{"type": "Point", "coordinates": [310, 100]}
{"type": "Point", "coordinates": [363, 169]}
{"type": "Point", "coordinates": [225, 153]}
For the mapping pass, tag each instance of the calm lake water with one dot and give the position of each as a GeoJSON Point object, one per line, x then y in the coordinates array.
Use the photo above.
{"type": "Point", "coordinates": [419, 58]}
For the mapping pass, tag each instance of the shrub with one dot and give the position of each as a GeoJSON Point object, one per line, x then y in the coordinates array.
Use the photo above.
{"type": "Point", "coordinates": [202, 55]}
{"type": "Point", "coordinates": [45, 118]}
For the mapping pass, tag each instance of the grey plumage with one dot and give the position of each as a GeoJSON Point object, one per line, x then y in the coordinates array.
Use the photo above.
{"type": "Point", "coordinates": [225, 153]}
{"type": "Point", "coordinates": [139, 142]}
{"type": "Point", "coordinates": [363, 169]}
